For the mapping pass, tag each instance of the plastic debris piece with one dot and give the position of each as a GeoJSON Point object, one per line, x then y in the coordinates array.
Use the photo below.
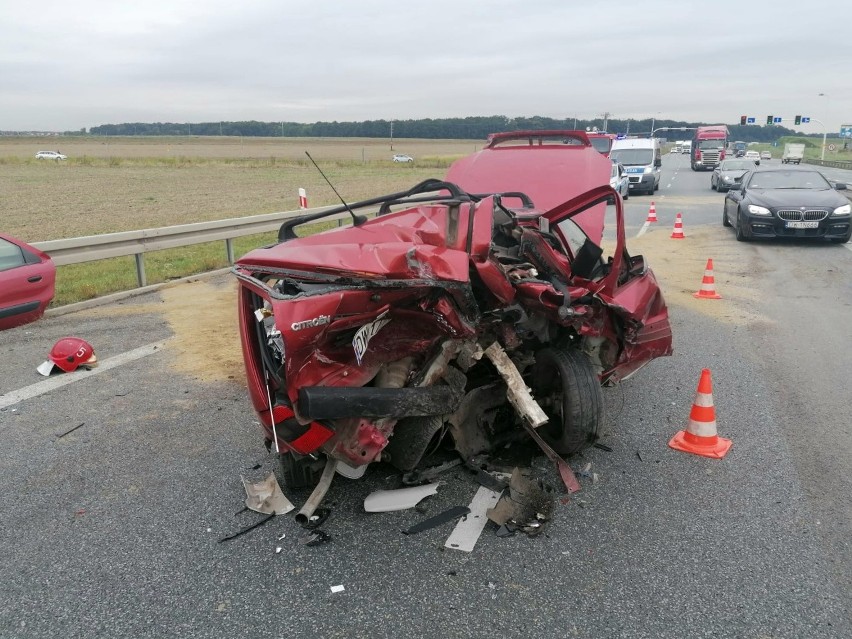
{"type": "Point", "coordinates": [317, 538]}
{"type": "Point", "coordinates": [448, 515]}
{"type": "Point", "coordinates": [639, 455]}
{"type": "Point", "coordinates": [317, 519]}
{"type": "Point", "coordinates": [505, 531]}
{"type": "Point", "coordinates": [283, 535]}
{"type": "Point", "coordinates": [278, 549]}
{"type": "Point", "coordinates": [71, 430]}
{"type": "Point", "coordinates": [383, 501]}
{"type": "Point", "coordinates": [336, 589]}
{"type": "Point", "coordinates": [248, 528]}
{"type": "Point", "coordinates": [600, 446]}
{"type": "Point", "coordinates": [266, 496]}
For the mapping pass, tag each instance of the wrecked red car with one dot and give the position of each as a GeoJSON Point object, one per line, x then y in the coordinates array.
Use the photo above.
{"type": "Point", "coordinates": [450, 315]}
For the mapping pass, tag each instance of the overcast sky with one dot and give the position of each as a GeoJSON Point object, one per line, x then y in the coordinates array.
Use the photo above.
{"type": "Point", "coordinates": [66, 65]}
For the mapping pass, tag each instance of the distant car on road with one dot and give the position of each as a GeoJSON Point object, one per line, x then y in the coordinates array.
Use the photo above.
{"type": "Point", "coordinates": [619, 181]}
{"type": "Point", "coordinates": [765, 155]}
{"type": "Point", "coordinates": [754, 156]}
{"type": "Point", "coordinates": [27, 281]}
{"type": "Point", "coordinates": [729, 174]}
{"type": "Point", "coordinates": [50, 155]}
{"type": "Point", "coordinates": [788, 203]}
{"type": "Point", "coordinates": [402, 158]}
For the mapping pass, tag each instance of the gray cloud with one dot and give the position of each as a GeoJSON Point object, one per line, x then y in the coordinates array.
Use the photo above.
{"type": "Point", "coordinates": [71, 65]}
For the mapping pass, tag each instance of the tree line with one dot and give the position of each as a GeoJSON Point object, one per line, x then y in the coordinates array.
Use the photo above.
{"type": "Point", "coordinates": [470, 128]}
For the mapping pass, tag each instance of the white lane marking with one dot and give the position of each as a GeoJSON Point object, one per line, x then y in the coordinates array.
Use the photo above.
{"type": "Point", "coordinates": [63, 379]}
{"type": "Point", "coordinates": [643, 229]}
{"type": "Point", "coordinates": [848, 245]}
{"type": "Point", "coordinates": [467, 531]}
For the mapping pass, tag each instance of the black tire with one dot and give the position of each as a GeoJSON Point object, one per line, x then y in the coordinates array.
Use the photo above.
{"type": "Point", "coordinates": [626, 195]}
{"type": "Point", "coordinates": [300, 471]}
{"type": "Point", "coordinates": [740, 233]}
{"type": "Point", "coordinates": [725, 220]}
{"type": "Point", "coordinates": [713, 186]}
{"type": "Point", "coordinates": [567, 388]}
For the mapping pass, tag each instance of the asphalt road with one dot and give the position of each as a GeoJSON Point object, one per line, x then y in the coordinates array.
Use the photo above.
{"type": "Point", "coordinates": [111, 530]}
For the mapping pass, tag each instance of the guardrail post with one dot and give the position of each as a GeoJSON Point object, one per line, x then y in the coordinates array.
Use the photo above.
{"type": "Point", "coordinates": [140, 270]}
{"type": "Point", "coordinates": [229, 250]}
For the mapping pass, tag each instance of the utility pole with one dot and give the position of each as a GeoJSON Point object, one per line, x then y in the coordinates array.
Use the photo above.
{"type": "Point", "coordinates": [391, 140]}
{"type": "Point", "coordinates": [605, 115]}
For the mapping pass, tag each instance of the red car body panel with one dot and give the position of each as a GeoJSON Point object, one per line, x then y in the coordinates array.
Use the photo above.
{"type": "Point", "coordinates": [26, 288]}
{"type": "Point", "coordinates": [547, 170]}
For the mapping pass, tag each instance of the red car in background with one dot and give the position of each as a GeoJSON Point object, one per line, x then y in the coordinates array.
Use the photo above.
{"type": "Point", "coordinates": [27, 281]}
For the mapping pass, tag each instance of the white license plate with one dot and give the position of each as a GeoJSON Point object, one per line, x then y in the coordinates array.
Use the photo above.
{"type": "Point", "coordinates": [802, 225]}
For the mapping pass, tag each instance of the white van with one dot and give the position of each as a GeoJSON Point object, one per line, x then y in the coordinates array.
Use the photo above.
{"type": "Point", "coordinates": [642, 161]}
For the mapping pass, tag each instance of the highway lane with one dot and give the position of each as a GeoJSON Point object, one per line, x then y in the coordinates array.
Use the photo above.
{"type": "Point", "coordinates": [111, 530]}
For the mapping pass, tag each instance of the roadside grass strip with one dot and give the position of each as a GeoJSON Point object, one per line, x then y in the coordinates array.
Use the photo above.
{"type": "Point", "coordinates": [60, 380]}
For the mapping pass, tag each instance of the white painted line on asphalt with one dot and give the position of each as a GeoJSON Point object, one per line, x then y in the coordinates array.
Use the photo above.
{"type": "Point", "coordinates": [63, 379]}
{"type": "Point", "coordinates": [643, 229]}
{"type": "Point", "coordinates": [467, 531]}
{"type": "Point", "coordinates": [848, 245]}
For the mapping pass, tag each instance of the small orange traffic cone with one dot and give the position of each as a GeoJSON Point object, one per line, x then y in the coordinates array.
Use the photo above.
{"type": "Point", "coordinates": [677, 233]}
{"type": "Point", "coordinates": [652, 213]}
{"type": "Point", "coordinates": [700, 437]}
{"type": "Point", "coordinates": [708, 284]}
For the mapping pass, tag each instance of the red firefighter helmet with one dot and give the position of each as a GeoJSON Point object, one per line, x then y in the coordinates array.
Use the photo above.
{"type": "Point", "coordinates": [68, 354]}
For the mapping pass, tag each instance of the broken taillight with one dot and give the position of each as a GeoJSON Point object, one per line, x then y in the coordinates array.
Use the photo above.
{"type": "Point", "coordinates": [302, 438]}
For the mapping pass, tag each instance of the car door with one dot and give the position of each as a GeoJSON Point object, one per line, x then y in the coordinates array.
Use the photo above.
{"type": "Point", "coordinates": [27, 281]}
{"type": "Point", "coordinates": [733, 197]}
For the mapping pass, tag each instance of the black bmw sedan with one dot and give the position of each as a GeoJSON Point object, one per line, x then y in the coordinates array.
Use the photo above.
{"type": "Point", "coordinates": [788, 203]}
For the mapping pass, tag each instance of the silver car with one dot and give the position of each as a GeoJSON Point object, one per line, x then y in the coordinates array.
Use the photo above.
{"type": "Point", "coordinates": [619, 181]}
{"type": "Point", "coordinates": [729, 174]}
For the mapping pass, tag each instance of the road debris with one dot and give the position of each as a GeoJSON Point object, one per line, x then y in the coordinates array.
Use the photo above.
{"type": "Point", "coordinates": [448, 515]}
{"type": "Point", "coordinates": [247, 528]}
{"type": "Point", "coordinates": [382, 501]}
{"type": "Point", "coordinates": [317, 519]}
{"type": "Point", "coordinates": [416, 477]}
{"type": "Point", "coordinates": [336, 589]}
{"type": "Point", "coordinates": [602, 447]}
{"type": "Point", "coordinates": [68, 432]}
{"type": "Point", "coordinates": [266, 496]}
{"type": "Point", "coordinates": [467, 531]}
{"type": "Point", "coordinates": [316, 537]}
{"type": "Point", "coordinates": [527, 506]}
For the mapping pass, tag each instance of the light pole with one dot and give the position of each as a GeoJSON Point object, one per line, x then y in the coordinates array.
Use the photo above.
{"type": "Point", "coordinates": [824, 130]}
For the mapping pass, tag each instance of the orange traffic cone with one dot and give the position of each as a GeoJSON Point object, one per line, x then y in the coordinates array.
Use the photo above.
{"type": "Point", "coordinates": [652, 213]}
{"type": "Point", "coordinates": [700, 436]}
{"type": "Point", "coordinates": [677, 233]}
{"type": "Point", "coordinates": [708, 285]}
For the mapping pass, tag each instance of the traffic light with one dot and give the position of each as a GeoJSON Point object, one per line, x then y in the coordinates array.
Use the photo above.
{"type": "Point", "coordinates": [798, 120]}
{"type": "Point", "coordinates": [769, 119]}
{"type": "Point", "coordinates": [743, 119]}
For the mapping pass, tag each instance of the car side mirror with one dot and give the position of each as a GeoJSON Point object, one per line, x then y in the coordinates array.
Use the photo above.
{"type": "Point", "coordinates": [637, 265]}
{"type": "Point", "coordinates": [840, 186]}
{"type": "Point", "coordinates": [658, 163]}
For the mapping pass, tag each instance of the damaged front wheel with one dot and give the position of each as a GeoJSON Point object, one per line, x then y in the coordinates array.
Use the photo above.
{"type": "Point", "coordinates": [565, 385]}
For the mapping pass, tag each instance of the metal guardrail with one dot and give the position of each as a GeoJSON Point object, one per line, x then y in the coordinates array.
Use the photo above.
{"type": "Point", "coordinates": [836, 164]}
{"type": "Point", "coordinates": [100, 247]}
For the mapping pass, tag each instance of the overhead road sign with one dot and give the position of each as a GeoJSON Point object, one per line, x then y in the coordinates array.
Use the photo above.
{"type": "Point", "coordinates": [846, 130]}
